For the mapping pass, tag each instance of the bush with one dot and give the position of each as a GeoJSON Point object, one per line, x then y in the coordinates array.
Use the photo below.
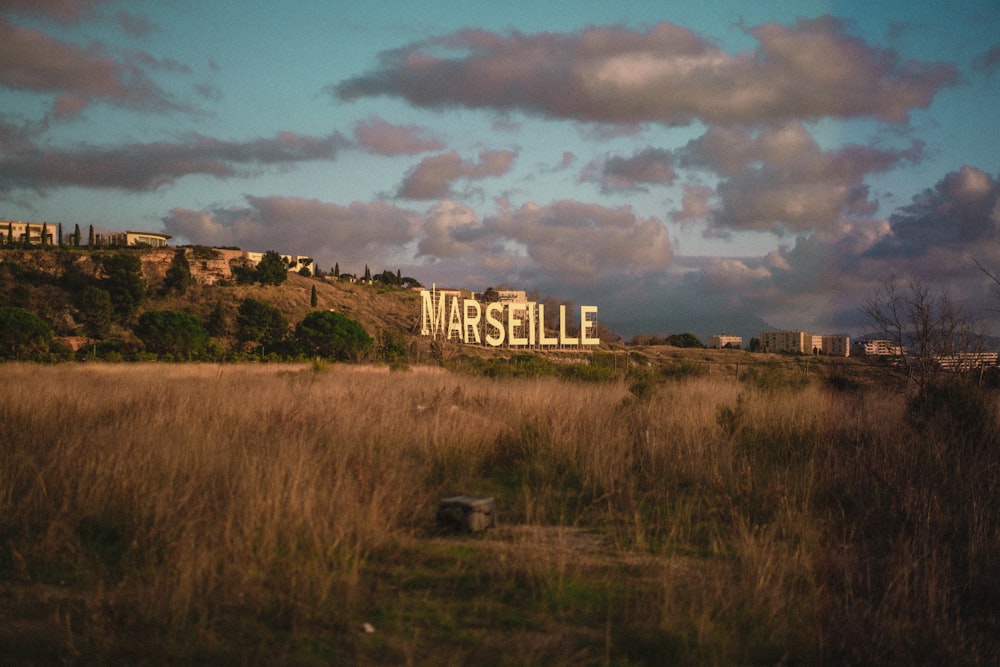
{"type": "Point", "coordinates": [259, 322]}
{"type": "Point", "coordinates": [333, 335]}
{"type": "Point", "coordinates": [22, 333]}
{"type": "Point", "coordinates": [172, 332]}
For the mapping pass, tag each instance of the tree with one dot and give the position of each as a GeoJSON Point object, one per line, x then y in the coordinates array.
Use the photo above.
{"type": "Point", "coordinates": [172, 332]}
{"type": "Point", "coordinates": [90, 237]}
{"type": "Point", "coordinates": [333, 335]}
{"type": "Point", "coordinates": [271, 269]}
{"type": "Point", "coordinates": [491, 295]}
{"type": "Point", "coordinates": [96, 310]}
{"type": "Point", "coordinates": [22, 333]}
{"type": "Point", "coordinates": [218, 320]}
{"type": "Point", "coordinates": [124, 282]}
{"type": "Point", "coordinates": [178, 277]}
{"type": "Point", "coordinates": [922, 325]}
{"type": "Point", "coordinates": [368, 274]}
{"type": "Point", "coordinates": [684, 340]}
{"type": "Point", "coordinates": [259, 322]}
{"type": "Point", "coordinates": [336, 269]}
{"type": "Point", "coordinates": [312, 297]}
{"type": "Point", "coordinates": [76, 235]}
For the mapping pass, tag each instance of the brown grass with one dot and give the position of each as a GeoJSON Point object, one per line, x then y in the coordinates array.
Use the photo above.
{"type": "Point", "coordinates": [262, 513]}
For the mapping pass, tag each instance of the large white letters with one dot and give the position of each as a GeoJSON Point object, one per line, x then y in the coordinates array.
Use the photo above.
{"type": "Point", "coordinates": [523, 324]}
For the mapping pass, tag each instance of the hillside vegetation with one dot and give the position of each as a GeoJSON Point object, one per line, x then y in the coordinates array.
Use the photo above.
{"type": "Point", "coordinates": [53, 284]}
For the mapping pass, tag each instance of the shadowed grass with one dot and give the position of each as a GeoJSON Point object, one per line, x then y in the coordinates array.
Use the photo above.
{"type": "Point", "coordinates": [261, 514]}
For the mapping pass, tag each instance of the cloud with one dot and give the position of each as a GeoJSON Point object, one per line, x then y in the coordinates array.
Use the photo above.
{"type": "Point", "coordinates": [451, 230]}
{"type": "Point", "coordinates": [137, 25]}
{"type": "Point", "coordinates": [382, 138]}
{"type": "Point", "coordinates": [434, 176]}
{"type": "Point", "coordinates": [779, 180]}
{"type": "Point", "coordinates": [650, 166]}
{"type": "Point", "coordinates": [582, 242]}
{"type": "Point", "coordinates": [989, 61]}
{"type": "Point", "coordinates": [147, 167]}
{"type": "Point", "coordinates": [961, 211]}
{"type": "Point", "coordinates": [32, 61]}
{"type": "Point", "coordinates": [665, 74]}
{"type": "Point", "coordinates": [302, 226]}
{"type": "Point", "coordinates": [67, 12]}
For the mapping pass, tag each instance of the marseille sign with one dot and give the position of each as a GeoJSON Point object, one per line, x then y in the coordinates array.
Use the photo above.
{"type": "Point", "coordinates": [516, 324]}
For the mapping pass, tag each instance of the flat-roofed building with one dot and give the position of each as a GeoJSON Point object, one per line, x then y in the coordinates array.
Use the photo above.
{"type": "Point", "coordinates": [880, 348]}
{"type": "Point", "coordinates": [719, 341]}
{"type": "Point", "coordinates": [150, 239]}
{"type": "Point", "coordinates": [835, 346]}
{"type": "Point", "coordinates": [512, 296]}
{"type": "Point", "coordinates": [35, 233]}
{"type": "Point", "coordinates": [794, 342]}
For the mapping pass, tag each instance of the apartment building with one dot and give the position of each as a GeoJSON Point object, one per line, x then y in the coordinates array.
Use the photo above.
{"type": "Point", "coordinates": [719, 341]}
{"type": "Point", "coordinates": [803, 342]}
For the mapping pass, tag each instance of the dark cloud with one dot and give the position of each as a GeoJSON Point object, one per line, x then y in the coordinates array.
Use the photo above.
{"type": "Point", "coordinates": [665, 74]}
{"type": "Point", "coordinates": [383, 138]}
{"type": "Point", "coordinates": [146, 167]}
{"type": "Point", "coordinates": [651, 166]}
{"type": "Point", "coordinates": [961, 211]}
{"type": "Point", "coordinates": [32, 61]}
{"type": "Point", "coordinates": [310, 227]}
{"type": "Point", "coordinates": [434, 176]}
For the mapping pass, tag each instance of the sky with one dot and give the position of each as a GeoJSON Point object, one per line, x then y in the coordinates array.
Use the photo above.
{"type": "Point", "coordinates": [686, 167]}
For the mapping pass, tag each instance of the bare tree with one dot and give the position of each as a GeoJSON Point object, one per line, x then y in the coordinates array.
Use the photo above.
{"type": "Point", "coordinates": [924, 327]}
{"type": "Point", "coordinates": [992, 276]}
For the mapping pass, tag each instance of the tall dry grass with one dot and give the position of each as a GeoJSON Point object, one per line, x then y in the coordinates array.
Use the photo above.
{"type": "Point", "coordinates": [723, 521]}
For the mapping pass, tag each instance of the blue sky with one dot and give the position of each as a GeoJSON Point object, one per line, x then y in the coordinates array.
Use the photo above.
{"type": "Point", "coordinates": [699, 167]}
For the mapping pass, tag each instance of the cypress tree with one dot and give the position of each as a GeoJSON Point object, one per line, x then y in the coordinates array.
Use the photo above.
{"type": "Point", "coordinates": [45, 234]}
{"type": "Point", "coordinates": [336, 270]}
{"type": "Point", "coordinates": [76, 235]}
{"type": "Point", "coordinates": [90, 237]}
{"type": "Point", "coordinates": [312, 297]}
{"type": "Point", "coordinates": [60, 234]}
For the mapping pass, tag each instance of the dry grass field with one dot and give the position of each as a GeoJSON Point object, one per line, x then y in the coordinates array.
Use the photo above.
{"type": "Point", "coordinates": [284, 514]}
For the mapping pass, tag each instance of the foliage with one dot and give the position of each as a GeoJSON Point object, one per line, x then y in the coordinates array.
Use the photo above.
{"type": "Point", "coordinates": [171, 332]}
{"type": "Point", "coordinates": [684, 340]}
{"type": "Point", "coordinates": [96, 310]}
{"type": "Point", "coordinates": [259, 322]}
{"type": "Point", "coordinates": [329, 334]}
{"type": "Point", "coordinates": [22, 333]}
{"type": "Point", "coordinates": [271, 270]}
{"type": "Point", "coordinates": [178, 277]}
{"type": "Point", "coordinates": [124, 281]}
{"type": "Point", "coordinates": [390, 344]}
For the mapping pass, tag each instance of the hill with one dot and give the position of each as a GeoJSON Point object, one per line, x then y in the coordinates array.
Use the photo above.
{"type": "Point", "coordinates": [49, 283]}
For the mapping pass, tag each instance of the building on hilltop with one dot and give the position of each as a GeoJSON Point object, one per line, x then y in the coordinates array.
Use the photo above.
{"type": "Point", "coordinates": [33, 233]}
{"type": "Point", "coordinates": [512, 296]}
{"type": "Point", "coordinates": [719, 341]}
{"type": "Point", "coordinates": [51, 234]}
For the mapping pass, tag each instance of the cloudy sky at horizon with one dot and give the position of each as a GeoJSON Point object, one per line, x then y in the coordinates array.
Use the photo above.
{"type": "Point", "coordinates": [694, 168]}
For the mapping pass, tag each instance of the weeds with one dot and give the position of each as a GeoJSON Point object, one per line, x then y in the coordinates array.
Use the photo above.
{"type": "Point", "coordinates": [262, 513]}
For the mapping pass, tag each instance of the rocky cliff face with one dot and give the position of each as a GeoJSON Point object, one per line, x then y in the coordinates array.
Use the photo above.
{"type": "Point", "coordinates": [209, 266]}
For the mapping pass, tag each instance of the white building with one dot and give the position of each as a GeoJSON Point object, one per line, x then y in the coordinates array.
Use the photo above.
{"type": "Point", "coordinates": [719, 341]}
